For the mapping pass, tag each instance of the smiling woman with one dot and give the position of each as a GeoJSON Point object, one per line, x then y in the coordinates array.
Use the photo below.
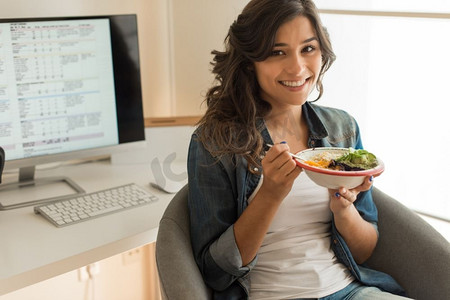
{"type": "Point", "coordinates": [263, 205]}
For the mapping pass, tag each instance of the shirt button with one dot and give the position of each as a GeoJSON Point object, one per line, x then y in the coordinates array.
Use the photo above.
{"type": "Point", "coordinates": [312, 143]}
{"type": "Point", "coordinates": [255, 169]}
{"type": "Point", "coordinates": [335, 241]}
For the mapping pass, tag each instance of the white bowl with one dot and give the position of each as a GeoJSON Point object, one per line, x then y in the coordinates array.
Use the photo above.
{"type": "Point", "coordinates": [334, 179]}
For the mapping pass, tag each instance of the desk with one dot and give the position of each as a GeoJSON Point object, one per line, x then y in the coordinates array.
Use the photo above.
{"type": "Point", "coordinates": [33, 250]}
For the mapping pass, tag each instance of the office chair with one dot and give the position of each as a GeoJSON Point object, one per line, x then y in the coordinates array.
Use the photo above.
{"type": "Point", "coordinates": [179, 275]}
{"type": "Point", "coordinates": [409, 249]}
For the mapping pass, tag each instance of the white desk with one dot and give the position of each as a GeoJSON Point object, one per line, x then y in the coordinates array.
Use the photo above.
{"type": "Point", "coordinates": [32, 249]}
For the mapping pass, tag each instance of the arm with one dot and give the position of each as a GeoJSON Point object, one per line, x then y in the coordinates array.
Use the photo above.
{"type": "Point", "coordinates": [355, 213]}
{"type": "Point", "coordinates": [279, 174]}
{"type": "Point", "coordinates": [360, 235]}
{"type": "Point", "coordinates": [213, 207]}
{"type": "Point", "coordinates": [224, 246]}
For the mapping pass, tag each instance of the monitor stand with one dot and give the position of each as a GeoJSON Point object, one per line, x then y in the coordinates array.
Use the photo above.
{"type": "Point", "coordinates": [18, 194]}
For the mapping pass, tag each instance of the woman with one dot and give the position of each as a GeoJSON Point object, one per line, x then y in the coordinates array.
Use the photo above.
{"type": "Point", "coordinates": [260, 228]}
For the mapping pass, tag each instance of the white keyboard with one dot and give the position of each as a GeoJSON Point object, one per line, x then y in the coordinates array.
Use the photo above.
{"type": "Point", "coordinates": [87, 206]}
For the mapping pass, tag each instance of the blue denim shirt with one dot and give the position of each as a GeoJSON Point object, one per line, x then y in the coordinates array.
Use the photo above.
{"type": "Point", "coordinates": [218, 193]}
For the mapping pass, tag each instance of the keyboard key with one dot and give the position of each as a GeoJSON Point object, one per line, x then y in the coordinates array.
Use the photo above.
{"type": "Point", "coordinates": [85, 207]}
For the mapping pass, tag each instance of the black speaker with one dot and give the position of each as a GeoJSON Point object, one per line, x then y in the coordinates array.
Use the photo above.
{"type": "Point", "coordinates": [2, 162]}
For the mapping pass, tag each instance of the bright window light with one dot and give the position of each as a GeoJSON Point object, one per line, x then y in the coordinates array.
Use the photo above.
{"type": "Point", "coordinates": [391, 74]}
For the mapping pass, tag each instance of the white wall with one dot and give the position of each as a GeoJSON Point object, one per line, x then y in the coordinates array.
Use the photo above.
{"type": "Point", "coordinates": [198, 27]}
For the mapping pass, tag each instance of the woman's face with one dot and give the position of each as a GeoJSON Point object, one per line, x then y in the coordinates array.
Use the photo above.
{"type": "Point", "coordinates": [288, 76]}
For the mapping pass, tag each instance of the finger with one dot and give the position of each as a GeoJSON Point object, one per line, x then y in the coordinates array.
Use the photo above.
{"type": "Point", "coordinates": [282, 164]}
{"type": "Point", "coordinates": [289, 165]}
{"type": "Point", "coordinates": [279, 156]}
{"type": "Point", "coordinates": [275, 151]}
{"type": "Point", "coordinates": [295, 172]}
{"type": "Point", "coordinates": [349, 195]}
{"type": "Point", "coordinates": [366, 185]}
{"type": "Point", "coordinates": [336, 198]}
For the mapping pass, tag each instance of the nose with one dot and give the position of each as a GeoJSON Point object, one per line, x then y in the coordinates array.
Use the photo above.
{"type": "Point", "coordinates": [295, 65]}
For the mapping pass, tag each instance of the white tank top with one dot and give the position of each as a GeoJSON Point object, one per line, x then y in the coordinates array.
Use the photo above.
{"type": "Point", "coordinates": [296, 259]}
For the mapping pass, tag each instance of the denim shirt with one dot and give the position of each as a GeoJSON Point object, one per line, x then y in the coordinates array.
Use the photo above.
{"type": "Point", "coordinates": [218, 193]}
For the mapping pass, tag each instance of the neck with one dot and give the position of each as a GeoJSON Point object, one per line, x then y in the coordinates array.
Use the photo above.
{"type": "Point", "coordinates": [288, 126]}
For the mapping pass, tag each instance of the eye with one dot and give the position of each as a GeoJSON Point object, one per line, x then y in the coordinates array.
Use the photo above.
{"type": "Point", "coordinates": [308, 49]}
{"type": "Point", "coordinates": [277, 53]}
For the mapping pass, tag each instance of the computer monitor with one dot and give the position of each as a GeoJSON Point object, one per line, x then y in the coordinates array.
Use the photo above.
{"type": "Point", "coordinates": [70, 88]}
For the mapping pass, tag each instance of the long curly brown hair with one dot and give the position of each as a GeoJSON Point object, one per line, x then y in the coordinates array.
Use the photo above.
{"type": "Point", "coordinates": [233, 103]}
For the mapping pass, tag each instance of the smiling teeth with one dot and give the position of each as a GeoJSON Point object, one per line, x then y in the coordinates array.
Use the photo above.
{"type": "Point", "coordinates": [293, 83]}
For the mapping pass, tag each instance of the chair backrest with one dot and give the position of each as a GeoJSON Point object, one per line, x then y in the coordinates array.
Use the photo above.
{"type": "Point", "coordinates": [409, 249]}
{"type": "Point", "coordinates": [179, 275]}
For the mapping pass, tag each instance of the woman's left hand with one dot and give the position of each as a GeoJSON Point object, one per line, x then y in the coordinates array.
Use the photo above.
{"type": "Point", "coordinates": [343, 198]}
{"type": "Point", "coordinates": [360, 235]}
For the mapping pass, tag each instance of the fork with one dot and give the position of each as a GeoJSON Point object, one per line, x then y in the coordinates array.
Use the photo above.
{"type": "Point", "coordinates": [291, 154]}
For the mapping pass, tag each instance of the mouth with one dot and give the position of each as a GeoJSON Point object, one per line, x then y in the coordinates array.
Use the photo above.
{"type": "Point", "coordinates": [293, 84]}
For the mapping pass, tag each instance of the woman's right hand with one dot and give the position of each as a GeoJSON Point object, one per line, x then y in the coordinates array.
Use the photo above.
{"type": "Point", "coordinates": [279, 170]}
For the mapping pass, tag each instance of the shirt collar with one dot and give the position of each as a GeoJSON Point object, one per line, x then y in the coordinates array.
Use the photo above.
{"type": "Point", "coordinates": [261, 125]}
{"type": "Point", "coordinates": [316, 127]}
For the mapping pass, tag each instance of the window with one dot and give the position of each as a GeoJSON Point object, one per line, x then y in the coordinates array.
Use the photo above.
{"type": "Point", "coordinates": [392, 75]}
{"type": "Point", "coordinates": [433, 6]}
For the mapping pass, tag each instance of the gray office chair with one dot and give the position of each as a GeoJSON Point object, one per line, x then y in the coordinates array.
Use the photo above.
{"type": "Point", "coordinates": [179, 275]}
{"type": "Point", "coordinates": [409, 249]}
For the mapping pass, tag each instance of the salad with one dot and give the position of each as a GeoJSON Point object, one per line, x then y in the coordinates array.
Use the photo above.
{"type": "Point", "coordinates": [353, 160]}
